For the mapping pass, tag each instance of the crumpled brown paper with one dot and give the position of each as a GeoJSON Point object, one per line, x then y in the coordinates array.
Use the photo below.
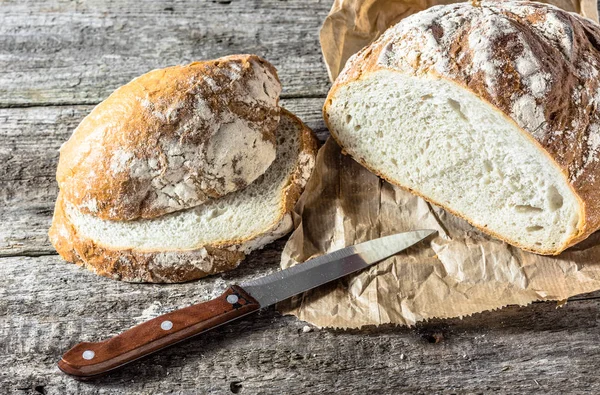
{"type": "Point", "coordinates": [458, 272]}
{"type": "Point", "coordinates": [352, 24]}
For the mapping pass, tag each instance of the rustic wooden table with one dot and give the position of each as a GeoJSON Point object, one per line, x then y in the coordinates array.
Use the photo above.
{"type": "Point", "coordinates": [58, 59]}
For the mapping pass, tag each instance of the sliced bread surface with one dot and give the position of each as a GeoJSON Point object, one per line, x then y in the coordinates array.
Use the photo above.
{"type": "Point", "coordinates": [485, 111]}
{"type": "Point", "coordinates": [193, 243]}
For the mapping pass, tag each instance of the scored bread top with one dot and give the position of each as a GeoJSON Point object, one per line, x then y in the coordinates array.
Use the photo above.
{"type": "Point", "coordinates": [173, 138]}
{"type": "Point", "coordinates": [539, 65]}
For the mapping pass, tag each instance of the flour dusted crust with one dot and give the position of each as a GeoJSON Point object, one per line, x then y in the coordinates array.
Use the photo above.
{"type": "Point", "coordinates": [182, 265]}
{"type": "Point", "coordinates": [162, 142]}
{"type": "Point", "coordinates": [537, 64]}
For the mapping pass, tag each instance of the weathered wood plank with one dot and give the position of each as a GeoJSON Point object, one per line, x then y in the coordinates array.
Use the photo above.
{"type": "Point", "coordinates": [29, 143]}
{"type": "Point", "coordinates": [47, 306]}
{"type": "Point", "coordinates": [61, 52]}
{"type": "Point", "coordinates": [55, 52]}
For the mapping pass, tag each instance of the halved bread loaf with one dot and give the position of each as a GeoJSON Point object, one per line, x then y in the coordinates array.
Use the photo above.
{"type": "Point", "coordinates": [193, 243]}
{"type": "Point", "coordinates": [490, 112]}
{"type": "Point", "coordinates": [162, 142]}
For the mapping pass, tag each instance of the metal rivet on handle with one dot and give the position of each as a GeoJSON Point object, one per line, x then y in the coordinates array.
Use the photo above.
{"type": "Point", "coordinates": [166, 325]}
{"type": "Point", "coordinates": [232, 299]}
{"type": "Point", "coordinates": [88, 354]}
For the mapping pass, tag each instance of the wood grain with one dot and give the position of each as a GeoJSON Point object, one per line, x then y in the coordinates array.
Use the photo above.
{"type": "Point", "coordinates": [74, 52]}
{"type": "Point", "coordinates": [534, 349]}
{"type": "Point", "coordinates": [57, 59]}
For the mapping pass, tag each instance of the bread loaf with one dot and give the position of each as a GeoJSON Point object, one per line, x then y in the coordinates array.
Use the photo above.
{"type": "Point", "coordinates": [489, 111]}
{"type": "Point", "coordinates": [192, 243]}
{"type": "Point", "coordinates": [163, 142]}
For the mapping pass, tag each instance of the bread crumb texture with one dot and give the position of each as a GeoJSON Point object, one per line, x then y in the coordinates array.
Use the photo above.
{"type": "Point", "coordinates": [536, 62]}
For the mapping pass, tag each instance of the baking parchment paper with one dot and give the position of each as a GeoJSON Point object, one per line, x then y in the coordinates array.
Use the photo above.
{"type": "Point", "coordinates": [458, 272]}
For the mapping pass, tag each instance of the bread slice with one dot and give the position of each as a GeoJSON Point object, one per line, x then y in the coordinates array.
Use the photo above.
{"type": "Point", "coordinates": [161, 143]}
{"type": "Point", "coordinates": [489, 112]}
{"type": "Point", "coordinates": [193, 243]}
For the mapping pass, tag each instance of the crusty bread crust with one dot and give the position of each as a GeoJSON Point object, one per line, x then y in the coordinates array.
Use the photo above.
{"type": "Point", "coordinates": [133, 266]}
{"type": "Point", "coordinates": [149, 148]}
{"type": "Point", "coordinates": [568, 108]}
{"type": "Point", "coordinates": [180, 266]}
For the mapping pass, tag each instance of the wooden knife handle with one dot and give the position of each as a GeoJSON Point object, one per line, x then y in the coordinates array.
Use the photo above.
{"type": "Point", "coordinates": [87, 360]}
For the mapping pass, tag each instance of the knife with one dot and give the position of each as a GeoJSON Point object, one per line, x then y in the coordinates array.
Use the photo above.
{"type": "Point", "coordinates": [87, 360]}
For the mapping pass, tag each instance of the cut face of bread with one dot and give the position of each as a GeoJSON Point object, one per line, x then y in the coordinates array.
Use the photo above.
{"type": "Point", "coordinates": [233, 218]}
{"type": "Point", "coordinates": [206, 239]}
{"type": "Point", "coordinates": [446, 144]}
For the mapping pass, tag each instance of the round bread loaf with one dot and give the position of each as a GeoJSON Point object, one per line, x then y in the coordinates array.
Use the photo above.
{"type": "Point", "coordinates": [489, 111]}
{"type": "Point", "coordinates": [172, 139]}
{"type": "Point", "coordinates": [192, 243]}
